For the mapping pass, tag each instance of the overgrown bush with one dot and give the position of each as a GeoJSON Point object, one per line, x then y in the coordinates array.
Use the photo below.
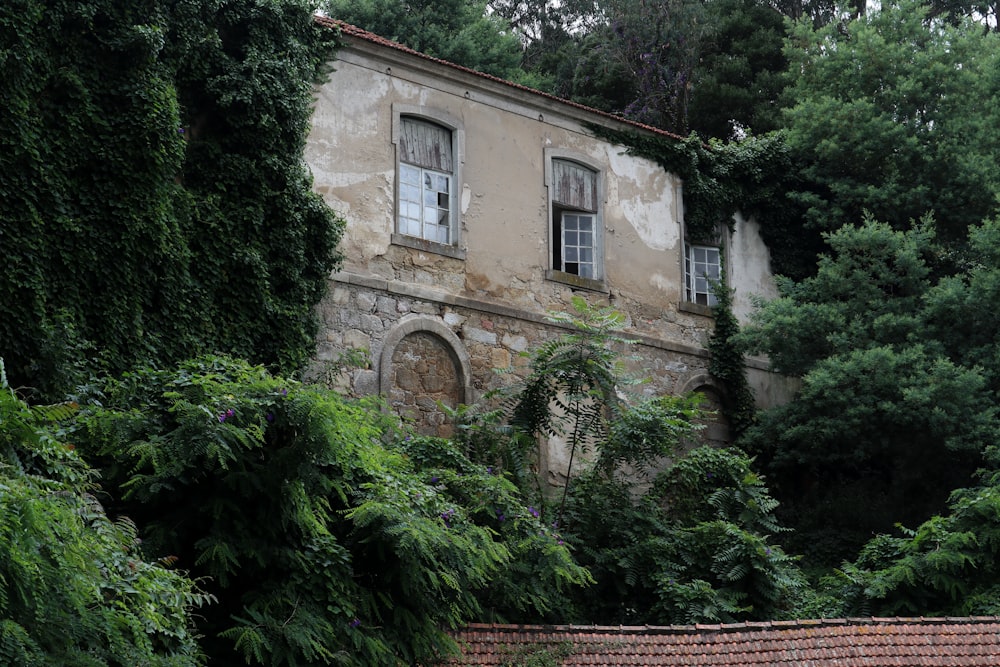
{"type": "Point", "coordinates": [326, 535]}
{"type": "Point", "coordinates": [75, 590]}
{"type": "Point", "coordinates": [698, 546]}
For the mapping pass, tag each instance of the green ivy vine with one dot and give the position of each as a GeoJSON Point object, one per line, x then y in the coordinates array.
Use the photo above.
{"type": "Point", "coordinates": [751, 176]}
{"type": "Point", "coordinates": [153, 200]}
{"type": "Point", "coordinates": [726, 363]}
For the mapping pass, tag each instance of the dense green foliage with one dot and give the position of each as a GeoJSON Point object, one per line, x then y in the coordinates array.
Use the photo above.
{"type": "Point", "coordinates": [152, 196]}
{"type": "Point", "coordinates": [893, 412]}
{"type": "Point", "coordinates": [75, 590]}
{"type": "Point", "coordinates": [896, 117]}
{"type": "Point", "coordinates": [727, 363]}
{"type": "Point", "coordinates": [698, 546]}
{"type": "Point", "coordinates": [739, 79]}
{"type": "Point", "coordinates": [947, 566]}
{"type": "Point", "coordinates": [325, 535]}
{"type": "Point", "coordinates": [694, 542]}
{"type": "Point", "coordinates": [458, 31]}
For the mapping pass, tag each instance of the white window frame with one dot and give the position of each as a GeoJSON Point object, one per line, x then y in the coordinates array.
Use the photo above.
{"type": "Point", "coordinates": [428, 235]}
{"type": "Point", "coordinates": [702, 266]}
{"type": "Point", "coordinates": [568, 248]}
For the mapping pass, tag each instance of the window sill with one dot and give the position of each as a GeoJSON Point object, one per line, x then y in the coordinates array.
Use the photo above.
{"type": "Point", "coordinates": [428, 246]}
{"type": "Point", "coordinates": [576, 281]}
{"type": "Point", "coordinates": [696, 308]}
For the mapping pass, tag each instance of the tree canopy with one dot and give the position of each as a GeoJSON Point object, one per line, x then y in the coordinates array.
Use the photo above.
{"type": "Point", "coordinates": [895, 114]}
{"type": "Point", "coordinates": [454, 30]}
{"type": "Point", "coordinates": [886, 396]}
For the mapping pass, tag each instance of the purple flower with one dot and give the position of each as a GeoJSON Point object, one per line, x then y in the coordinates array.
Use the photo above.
{"type": "Point", "coordinates": [180, 130]}
{"type": "Point", "coordinates": [355, 623]}
{"type": "Point", "coordinates": [533, 512]}
{"type": "Point", "coordinates": [222, 417]}
{"type": "Point", "coordinates": [489, 470]}
{"type": "Point", "coordinates": [500, 516]}
{"type": "Point", "coordinates": [230, 412]}
{"type": "Point", "coordinates": [284, 392]}
{"type": "Point", "coordinates": [434, 480]}
{"type": "Point", "coordinates": [269, 417]}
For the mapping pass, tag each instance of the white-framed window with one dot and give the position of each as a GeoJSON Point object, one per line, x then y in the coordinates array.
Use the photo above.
{"type": "Point", "coordinates": [428, 158]}
{"type": "Point", "coordinates": [576, 239]}
{"type": "Point", "coordinates": [702, 267]}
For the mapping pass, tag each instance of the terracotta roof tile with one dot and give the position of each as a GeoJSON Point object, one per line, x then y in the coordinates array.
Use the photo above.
{"type": "Point", "coordinates": [864, 642]}
{"type": "Point", "coordinates": [370, 37]}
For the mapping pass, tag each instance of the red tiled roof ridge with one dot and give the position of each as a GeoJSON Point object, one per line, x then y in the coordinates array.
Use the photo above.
{"type": "Point", "coordinates": [733, 627]}
{"type": "Point", "coordinates": [361, 33]}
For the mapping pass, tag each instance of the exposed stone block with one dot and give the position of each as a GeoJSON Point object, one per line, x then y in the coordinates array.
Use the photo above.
{"type": "Point", "coordinates": [480, 335]}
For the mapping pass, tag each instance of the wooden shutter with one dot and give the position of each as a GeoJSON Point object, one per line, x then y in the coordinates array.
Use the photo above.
{"type": "Point", "coordinates": [574, 185]}
{"type": "Point", "coordinates": [425, 145]}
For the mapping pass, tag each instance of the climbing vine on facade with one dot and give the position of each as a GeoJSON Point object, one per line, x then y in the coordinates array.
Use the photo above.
{"type": "Point", "coordinates": [153, 199]}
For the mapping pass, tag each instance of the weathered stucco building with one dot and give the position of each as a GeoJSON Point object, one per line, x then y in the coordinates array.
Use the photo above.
{"type": "Point", "coordinates": [474, 207]}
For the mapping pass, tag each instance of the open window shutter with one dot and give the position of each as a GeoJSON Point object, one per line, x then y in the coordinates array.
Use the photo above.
{"type": "Point", "coordinates": [425, 145]}
{"type": "Point", "coordinates": [574, 185]}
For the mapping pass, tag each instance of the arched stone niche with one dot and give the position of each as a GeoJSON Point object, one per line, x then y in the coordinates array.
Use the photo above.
{"type": "Point", "coordinates": [421, 364]}
{"type": "Point", "coordinates": [716, 431]}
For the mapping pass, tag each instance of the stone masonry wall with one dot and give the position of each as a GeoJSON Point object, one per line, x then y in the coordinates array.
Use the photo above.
{"type": "Point", "coordinates": [361, 314]}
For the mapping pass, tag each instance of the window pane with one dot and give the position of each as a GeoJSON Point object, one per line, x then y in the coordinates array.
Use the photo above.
{"type": "Point", "coordinates": [702, 266]}
{"type": "Point", "coordinates": [409, 227]}
{"type": "Point", "coordinates": [424, 204]}
{"type": "Point", "coordinates": [408, 174]}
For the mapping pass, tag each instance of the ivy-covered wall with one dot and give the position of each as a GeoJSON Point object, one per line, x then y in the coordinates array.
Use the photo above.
{"type": "Point", "coordinates": [153, 200]}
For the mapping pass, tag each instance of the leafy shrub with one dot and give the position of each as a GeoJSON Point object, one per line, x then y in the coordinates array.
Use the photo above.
{"type": "Point", "coordinates": [74, 588]}
{"type": "Point", "coordinates": [696, 547]}
{"type": "Point", "coordinates": [328, 536]}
